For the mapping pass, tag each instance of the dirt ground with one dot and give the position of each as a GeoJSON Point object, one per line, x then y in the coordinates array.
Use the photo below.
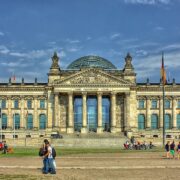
{"type": "Point", "coordinates": [133, 166]}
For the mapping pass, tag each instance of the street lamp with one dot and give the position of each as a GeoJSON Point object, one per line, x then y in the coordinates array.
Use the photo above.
{"type": "Point", "coordinates": [1, 117]}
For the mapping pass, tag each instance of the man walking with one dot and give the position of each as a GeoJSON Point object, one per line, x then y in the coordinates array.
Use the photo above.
{"type": "Point", "coordinates": [49, 160]}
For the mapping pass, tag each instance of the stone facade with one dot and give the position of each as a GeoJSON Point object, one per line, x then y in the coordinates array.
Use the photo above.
{"type": "Point", "coordinates": [51, 105]}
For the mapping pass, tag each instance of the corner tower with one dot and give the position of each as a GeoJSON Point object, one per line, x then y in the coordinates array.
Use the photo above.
{"type": "Point", "coordinates": [54, 72]}
{"type": "Point", "coordinates": [128, 70]}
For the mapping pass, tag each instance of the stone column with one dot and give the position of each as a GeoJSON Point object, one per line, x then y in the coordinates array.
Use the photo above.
{"type": "Point", "coordinates": [174, 104]}
{"type": "Point", "coordinates": [113, 112]}
{"type": "Point", "coordinates": [56, 109]}
{"type": "Point", "coordinates": [161, 113]}
{"type": "Point", "coordinates": [84, 115]}
{"type": "Point", "coordinates": [10, 115]}
{"type": "Point", "coordinates": [148, 114]}
{"type": "Point", "coordinates": [23, 118]}
{"type": "Point", "coordinates": [127, 112]}
{"type": "Point", "coordinates": [100, 129]}
{"type": "Point", "coordinates": [50, 99]}
{"type": "Point", "coordinates": [70, 128]}
{"type": "Point", "coordinates": [35, 118]}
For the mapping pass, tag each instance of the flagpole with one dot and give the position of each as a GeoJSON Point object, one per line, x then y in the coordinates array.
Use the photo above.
{"type": "Point", "coordinates": [164, 131]}
{"type": "Point", "coordinates": [14, 127]}
{"type": "Point", "coordinates": [163, 80]}
{"type": "Point", "coordinates": [1, 117]}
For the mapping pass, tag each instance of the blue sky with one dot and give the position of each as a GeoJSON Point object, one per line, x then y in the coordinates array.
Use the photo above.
{"type": "Point", "coordinates": [31, 30]}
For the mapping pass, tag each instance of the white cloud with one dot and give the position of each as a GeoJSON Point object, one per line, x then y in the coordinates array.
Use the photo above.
{"type": "Point", "coordinates": [1, 33]}
{"type": "Point", "coordinates": [4, 49]}
{"type": "Point", "coordinates": [74, 49]}
{"type": "Point", "coordinates": [115, 35]}
{"type": "Point", "coordinates": [71, 41]}
{"type": "Point", "coordinates": [148, 2]}
{"type": "Point", "coordinates": [158, 28]}
{"type": "Point", "coordinates": [88, 38]}
{"type": "Point", "coordinates": [150, 66]}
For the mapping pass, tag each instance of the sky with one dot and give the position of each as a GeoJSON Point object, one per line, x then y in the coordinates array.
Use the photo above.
{"type": "Point", "coordinates": [32, 30]}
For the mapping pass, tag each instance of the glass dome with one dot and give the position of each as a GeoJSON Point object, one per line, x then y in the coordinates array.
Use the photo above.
{"type": "Point", "coordinates": [91, 61]}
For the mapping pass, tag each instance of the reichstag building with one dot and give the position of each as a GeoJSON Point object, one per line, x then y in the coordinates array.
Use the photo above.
{"type": "Point", "coordinates": [90, 95]}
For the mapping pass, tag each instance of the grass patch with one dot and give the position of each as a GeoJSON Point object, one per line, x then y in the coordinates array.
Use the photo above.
{"type": "Point", "coordinates": [34, 151]}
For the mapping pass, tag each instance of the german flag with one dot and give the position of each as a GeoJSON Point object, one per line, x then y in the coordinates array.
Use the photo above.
{"type": "Point", "coordinates": [163, 71]}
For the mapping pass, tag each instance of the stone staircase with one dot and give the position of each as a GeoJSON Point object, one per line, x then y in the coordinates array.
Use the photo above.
{"type": "Point", "coordinates": [90, 140]}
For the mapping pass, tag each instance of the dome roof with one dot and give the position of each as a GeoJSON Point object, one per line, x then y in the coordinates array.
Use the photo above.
{"type": "Point", "coordinates": [91, 61]}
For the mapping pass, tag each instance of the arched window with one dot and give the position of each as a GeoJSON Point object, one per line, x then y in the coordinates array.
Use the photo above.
{"type": "Point", "coordinates": [29, 121]}
{"type": "Point", "coordinates": [154, 121]}
{"type": "Point", "coordinates": [178, 121]}
{"type": "Point", "coordinates": [167, 104]}
{"type": "Point", "coordinates": [16, 120]}
{"type": "Point", "coordinates": [3, 104]}
{"type": "Point", "coordinates": [154, 104]}
{"type": "Point", "coordinates": [141, 104]}
{"type": "Point", "coordinates": [167, 121]}
{"type": "Point", "coordinates": [141, 121]}
{"type": "Point", "coordinates": [4, 121]}
{"type": "Point", "coordinates": [42, 121]}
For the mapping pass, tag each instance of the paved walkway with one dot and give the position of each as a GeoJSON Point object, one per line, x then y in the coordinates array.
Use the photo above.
{"type": "Point", "coordinates": [132, 165]}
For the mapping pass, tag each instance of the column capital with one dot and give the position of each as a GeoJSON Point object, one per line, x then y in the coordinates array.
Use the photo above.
{"type": "Point", "coordinates": [22, 96]}
{"type": "Point", "coordinates": [56, 93]}
{"type": "Point", "coordinates": [84, 93]}
{"type": "Point", "coordinates": [70, 93]}
{"type": "Point", "coordinates": [127, 93]}
{"type": "Point", "coordinates": [9, 97]}
{"type": "Point", "coordinates": [99, 93]}
{"type": "Point", "coordinates": [113, 93]}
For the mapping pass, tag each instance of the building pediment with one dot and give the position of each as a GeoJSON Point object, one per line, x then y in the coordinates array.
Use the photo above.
{"type": "Point", "coordinates": [92, 77]}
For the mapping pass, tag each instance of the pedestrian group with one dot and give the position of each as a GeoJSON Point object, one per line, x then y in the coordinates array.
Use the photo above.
{"type": "Point", "coordinates": [170, 150]}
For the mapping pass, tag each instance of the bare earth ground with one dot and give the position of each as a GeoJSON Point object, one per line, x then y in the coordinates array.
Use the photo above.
{"type": "Point", "coordinates": [134, 166]}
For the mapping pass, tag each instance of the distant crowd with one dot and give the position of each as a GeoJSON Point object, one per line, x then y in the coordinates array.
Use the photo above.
{"type": "Point", "coordinates": [137, 145]}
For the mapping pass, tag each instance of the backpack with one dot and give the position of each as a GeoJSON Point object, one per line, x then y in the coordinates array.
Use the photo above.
{"type": "Point", "coordinates": [41, 152]}
{"type": "Point", "coordinates": [53, 152]}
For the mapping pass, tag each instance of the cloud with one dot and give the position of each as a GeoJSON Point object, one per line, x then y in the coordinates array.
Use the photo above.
{"type": "Point", "coordinates": [148, 2]}
{"type": "Point", "coordinates": [88, 38]}
{"type": "Point", "coordinates": [115, 35]}
{"type": "Point", "coordinates": [74, 49]}
{"type": "Point", "coordinates": [4, 49]}
{"type": "Point", "coordinates": [149, 66]}
{"type": "Point", "coordinates": [1, 33]}
{"type": "Point", "coordinates": [72, 41]}
{"type": "Point", "coordinates": [158, 28]}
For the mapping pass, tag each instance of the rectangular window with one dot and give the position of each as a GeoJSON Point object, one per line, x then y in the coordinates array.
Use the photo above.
{"type": "Point", "coordinates": [141, 104]}
{"type": "Point", "coordinates": [42, 103]}
{"type": "Point", "coordinates": [3, 104]}
{"type": "Point", "coordinates": [154, 104]}
{"type": "Point", "coordinates": [178, 104]}
{"type": "Point", "coordinates": [16, 104]}
{"type": "Point", "coordinates": [29, 104]}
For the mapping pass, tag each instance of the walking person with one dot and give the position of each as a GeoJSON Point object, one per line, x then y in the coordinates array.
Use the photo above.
{"type": "Point", "coordinates": [49, 165]}
{"type": "Point", "coordinates": [172, 149]}
{"type": "Point", "coordinates": [167, 148]}
{"type": "Point", "coordinates": [178, 150]}
{"type": "Point", "coordinates": [5, 148]}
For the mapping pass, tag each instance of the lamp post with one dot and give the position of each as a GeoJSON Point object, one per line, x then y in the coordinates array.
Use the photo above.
{"type": "Point", "coordinates": [14, 128]}
{"type": "Point", "coordinates": [1, 117]}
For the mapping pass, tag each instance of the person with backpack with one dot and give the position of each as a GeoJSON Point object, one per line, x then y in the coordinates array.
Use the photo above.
{"type": "Point", "coordinates": [167, 148]}
{"type": "Point", "coordinates": [49, 165]}
{"type": "Point", "coordinates": [172, 149]}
